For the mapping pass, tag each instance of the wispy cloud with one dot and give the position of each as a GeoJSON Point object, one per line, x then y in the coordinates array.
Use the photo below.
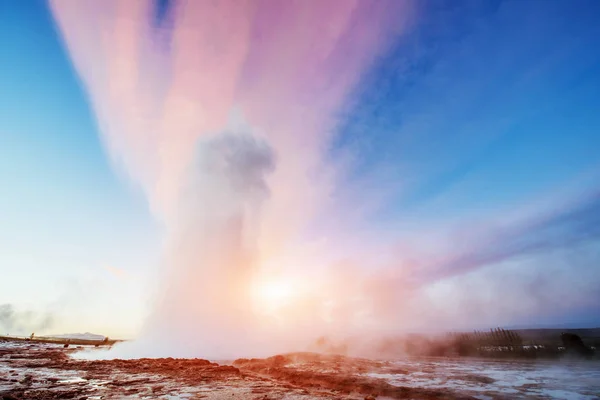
{"type": "Point", "coordinates": [570, 225]}
{"type": "Point", "coordinates": [118, 273]}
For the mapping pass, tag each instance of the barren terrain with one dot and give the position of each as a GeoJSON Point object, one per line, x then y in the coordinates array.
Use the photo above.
{"type": "Point", "coordinates": [47, 371]}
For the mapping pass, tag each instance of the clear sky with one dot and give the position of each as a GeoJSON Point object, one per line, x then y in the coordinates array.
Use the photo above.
{"type": "Point", "coordinates": [469, 145]}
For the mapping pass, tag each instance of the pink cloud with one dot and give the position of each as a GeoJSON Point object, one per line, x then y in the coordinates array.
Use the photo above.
{"type": "Point", "coordinates": [286, 66]}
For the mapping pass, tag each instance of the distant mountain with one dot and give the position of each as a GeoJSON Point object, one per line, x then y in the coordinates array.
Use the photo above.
{"type": "Point", "coordinates": [82, 336]}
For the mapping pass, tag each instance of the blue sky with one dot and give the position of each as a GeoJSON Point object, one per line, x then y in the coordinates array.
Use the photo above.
{"type": "Point", "coordinates": [481, 109]}
{"type": "Point", "coordinates": [66, 215]}
{"type": "Point", "coordinates": [501, 95]}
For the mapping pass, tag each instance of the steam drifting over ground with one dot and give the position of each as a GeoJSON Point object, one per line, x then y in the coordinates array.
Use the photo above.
{"type": "Point", "coordinates": [23, 322]}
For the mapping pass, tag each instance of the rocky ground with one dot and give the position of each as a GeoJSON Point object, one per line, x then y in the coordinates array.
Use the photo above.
{"type": "Point", "coordinates": [48, 371]}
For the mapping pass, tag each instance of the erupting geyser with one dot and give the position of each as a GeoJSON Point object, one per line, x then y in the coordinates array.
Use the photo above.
{"type": "Point", "coordinates": [212, 253]}
{"type": "Point", "coordinates": [222, 112]}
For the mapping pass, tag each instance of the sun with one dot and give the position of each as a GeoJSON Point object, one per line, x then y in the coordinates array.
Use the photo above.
{"type": "Point", "coordinates": [273, 295]}
{"type": "Point", "coordinates": [274, 291]}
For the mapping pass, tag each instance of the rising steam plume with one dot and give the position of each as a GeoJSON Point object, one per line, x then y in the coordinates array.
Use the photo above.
{"type": "Point", "coordinates": [221, 111]}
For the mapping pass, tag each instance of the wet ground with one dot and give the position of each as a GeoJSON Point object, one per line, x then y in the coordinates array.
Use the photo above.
{"type": "Point", "coordinates": [485, 379]}
{"type": "Point", "coordinates": [47, 371]}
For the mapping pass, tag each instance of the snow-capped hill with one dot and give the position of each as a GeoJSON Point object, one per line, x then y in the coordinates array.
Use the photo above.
{"type": "Point", "coordinates": [81, 336]}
